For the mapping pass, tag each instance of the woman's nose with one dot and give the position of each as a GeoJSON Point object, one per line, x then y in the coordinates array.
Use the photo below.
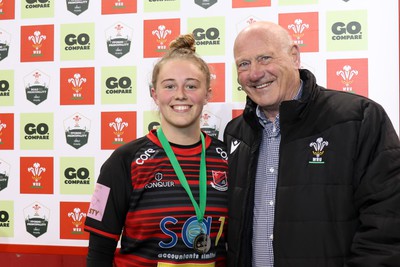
{"type": "Point", "coordinates": [180, 93]}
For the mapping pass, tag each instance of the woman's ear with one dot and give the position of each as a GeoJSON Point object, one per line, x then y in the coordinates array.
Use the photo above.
{"type": "Point", "coordinates": [208, 96]}
{"type": "Point", "coordinates": [154, 94]}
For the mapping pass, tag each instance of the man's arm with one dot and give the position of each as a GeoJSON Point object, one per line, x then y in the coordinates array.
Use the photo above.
{"type": "Point", "coordinates": [377, 194]}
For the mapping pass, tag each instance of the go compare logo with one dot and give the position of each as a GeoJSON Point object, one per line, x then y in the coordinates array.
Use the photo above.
{"type": "Point", "coordinates": [347, 30]}
{"type": "Point", "coordinates": [77, 175]}
{"type": "Point", "coordinates": [37, 131]}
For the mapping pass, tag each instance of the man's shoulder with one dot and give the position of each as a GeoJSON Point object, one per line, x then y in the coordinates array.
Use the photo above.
{"type": "Point", "coordinates": [235, 121]}
{"type": "Point", "coordinates": [347, 97]}
{"type": "Point", "coordinates": [237, 125]}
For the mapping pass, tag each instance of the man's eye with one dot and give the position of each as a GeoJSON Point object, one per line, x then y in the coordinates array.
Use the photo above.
{"type": "Point", "coordinates": [191, 87]}
{"type": "Point", "coordinates": [263, 59]}
{"type": "Point", "coordinates": [243, 66]}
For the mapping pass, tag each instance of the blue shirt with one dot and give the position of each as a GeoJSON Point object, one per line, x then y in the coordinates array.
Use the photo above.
{"type": "Point", "coordinates": [265, 188]}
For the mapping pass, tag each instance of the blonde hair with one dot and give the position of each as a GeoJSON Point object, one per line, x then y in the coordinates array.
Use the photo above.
{"type": "Point", "coordinates": [183, 47]}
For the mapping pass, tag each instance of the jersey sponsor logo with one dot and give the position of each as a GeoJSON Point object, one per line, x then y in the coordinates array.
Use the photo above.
{"type": "Point", "coordinates": [159, 183]}
{"type": "Point", "coordinates": [98, 202]}
{"type": "Point", "coordinates": [189, 257]}
{"type": "Point", "coordinates": [235, 144]}
{"type": "Point", "coordinates": [189, 231]}
{"type": "Point", "coordinates": [222, 153]}
{"type": "Point", "coordinates": [145, 156]}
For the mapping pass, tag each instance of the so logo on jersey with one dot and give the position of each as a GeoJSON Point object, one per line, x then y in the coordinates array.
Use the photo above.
{"type": "Point", "coordinates": [189, 230]}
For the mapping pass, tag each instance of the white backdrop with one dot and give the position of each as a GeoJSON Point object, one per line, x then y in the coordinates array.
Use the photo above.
{"type": "Point", "coordinates": [74, 135]}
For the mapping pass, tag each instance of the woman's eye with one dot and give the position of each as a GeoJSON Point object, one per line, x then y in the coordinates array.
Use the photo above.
{"type": "Point", "coordinates": [191, 87]}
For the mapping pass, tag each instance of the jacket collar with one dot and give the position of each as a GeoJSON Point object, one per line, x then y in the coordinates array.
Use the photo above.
{"type": "Point", "coordinates": [289, 110]}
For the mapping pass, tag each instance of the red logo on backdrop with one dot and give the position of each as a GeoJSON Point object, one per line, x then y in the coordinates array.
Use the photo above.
{"type": "Point", "coordinates": [217, 82]}
{"type": "Point", "coordinates": [72, 220]}
{"type": "Point", "coordinates": [7, 9]}
{"type": "Point", "coordinates": [37, 43]}
{"type": "Point", "coordinates": [77, 86]}
{"type": "Point", "coordinates": [6, 131]}
{"type": "Point", "coordinates": [304, 29]}
{"type": "Point", "coordinates": [349, 75]}
{"type": "Point", "coordinates": [247, 3]}
{"type": "Point", "coordinates": [36, 175]}
{"type": "Point", "coordinates": [157, 36]}
{"type": "Point", "coordinates": [236, 113]}
{"type": "Point", "coordinates": [117, 128]}
{"type": "Point", "coordinates": [118, 6]}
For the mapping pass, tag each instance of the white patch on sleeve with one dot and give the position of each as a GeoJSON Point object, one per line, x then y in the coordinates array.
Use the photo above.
{"type": "Point", "coordinates": [99, 202]}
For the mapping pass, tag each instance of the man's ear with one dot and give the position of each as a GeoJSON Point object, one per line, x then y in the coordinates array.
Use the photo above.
{"type": "Point", "coordinates": [295, 54]}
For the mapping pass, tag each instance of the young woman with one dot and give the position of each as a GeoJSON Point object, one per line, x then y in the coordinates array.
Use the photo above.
{"type": "Point", "coordinates": [164, 195]}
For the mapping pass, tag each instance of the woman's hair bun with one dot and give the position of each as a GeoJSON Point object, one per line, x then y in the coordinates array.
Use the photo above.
{"type": "Point", "coordinates": [184, 41]}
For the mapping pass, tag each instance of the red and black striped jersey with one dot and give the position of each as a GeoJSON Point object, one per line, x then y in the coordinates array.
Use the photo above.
{"type": "Point", "coordinates": [139, 200]}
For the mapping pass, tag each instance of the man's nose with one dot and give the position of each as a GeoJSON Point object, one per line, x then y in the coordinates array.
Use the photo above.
{"type": "Point", "coordinates": [255, 71]}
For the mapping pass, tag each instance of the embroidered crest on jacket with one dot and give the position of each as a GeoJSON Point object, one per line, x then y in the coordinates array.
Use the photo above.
{"type": "Point", "coordinates": [318, 150]}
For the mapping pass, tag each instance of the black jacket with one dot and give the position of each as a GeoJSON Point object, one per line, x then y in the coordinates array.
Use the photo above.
{"type": "Point", "coordinates": [337, 204]}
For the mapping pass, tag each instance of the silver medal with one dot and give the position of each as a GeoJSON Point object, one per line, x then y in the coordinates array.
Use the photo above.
{"type": "Point", "coordinates": [202, 243]}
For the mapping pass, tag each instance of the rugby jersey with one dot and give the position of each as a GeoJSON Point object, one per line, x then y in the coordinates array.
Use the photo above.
{"type": "Point", "coordinates": [139, 198]}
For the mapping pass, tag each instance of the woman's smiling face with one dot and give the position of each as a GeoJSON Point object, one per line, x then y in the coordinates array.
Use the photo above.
{"type": "Point", "coordinates": [180, 93]}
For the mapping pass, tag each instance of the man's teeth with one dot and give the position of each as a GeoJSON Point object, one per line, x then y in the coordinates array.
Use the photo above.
{"type": "Point", "coordinates": [263, 85]}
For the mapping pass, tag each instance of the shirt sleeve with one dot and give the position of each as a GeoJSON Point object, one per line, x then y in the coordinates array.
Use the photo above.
{"type": "Point", "coordinates": [110, 200]}
{"type": "Point", "coordinates": [101, 251]}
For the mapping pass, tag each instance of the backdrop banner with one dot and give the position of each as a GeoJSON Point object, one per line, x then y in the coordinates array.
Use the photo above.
{"type": "Point", "coordinates": [75, 85]}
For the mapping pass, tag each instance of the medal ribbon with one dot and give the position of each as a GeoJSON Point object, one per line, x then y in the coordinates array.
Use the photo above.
{"type": "Point", "coordinates": [200, 209]}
